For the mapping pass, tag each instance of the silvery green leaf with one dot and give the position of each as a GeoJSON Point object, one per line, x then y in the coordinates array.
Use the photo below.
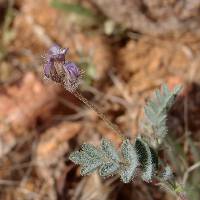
{"type": "Point", "coordinates": [148, 173]}
{"type": "Point", "coordinates": [109, 149]}
{"type": "Point", "coordinates": [89, 168]}
{"type": "Point", "coordinates": [128, 171]}
{"type": "Point", "coordinates": [151, 115]}
{"type": "Point", "coordinates": [148, 159]}
{"type": "Point", "coordinates": [168, 97]}
{"type": "Point", "coordinates": [141, 152]}
{"type": "Point", "coordinates": [153, 106]}
{"type": "Point", "coordinates": [154, 158]}
{"type": "Point", "coordinates": [158, 98]}
{"type": "Point", "coordinates": [92, 151]}
{"type": "Point", "coordinates": [156, 109]}
{"type": "Point", "coordinates": [90, 158]}
{"type": "Point", "coordinates": [167, 174]}
{"type": "Point", "coordinates": [108, 169]}
{"type": "Point", "coordinates": [79, 157]}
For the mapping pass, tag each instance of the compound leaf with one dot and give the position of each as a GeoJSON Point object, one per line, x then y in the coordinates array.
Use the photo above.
{"type": "Point", "coordinates": [156, 110]}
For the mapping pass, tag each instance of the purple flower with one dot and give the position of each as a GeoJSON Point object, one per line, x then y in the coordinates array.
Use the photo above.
{"type": "Point", "coordinates": [59, 70]}
{"type": "Point", "coordinates": [72, 70]}
{"type": "Point", "coordinates": [73, 76]}
{"type": "Point", "coordinates": [55, 55]}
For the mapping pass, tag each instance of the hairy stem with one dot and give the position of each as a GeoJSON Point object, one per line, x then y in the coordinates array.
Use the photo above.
{"type": "Point", "coordinates": [114, 127]}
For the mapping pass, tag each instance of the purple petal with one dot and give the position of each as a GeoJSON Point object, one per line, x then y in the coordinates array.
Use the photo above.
{"type": "Point", "coordinates": [72, 69]}
{"type": "Point", "coordinates": [57, 53]}
{"type": "Point", "coordinates": [54, 49]}
{"type": "Point", "coordinates": [48, 68]}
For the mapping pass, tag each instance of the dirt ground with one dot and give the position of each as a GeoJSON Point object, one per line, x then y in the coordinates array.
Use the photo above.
{"type": "Point", "coordinates": [41, 123]}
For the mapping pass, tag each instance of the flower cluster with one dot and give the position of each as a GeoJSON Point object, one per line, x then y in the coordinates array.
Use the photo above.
{"type": "Point", "coordinates": [58, 69]}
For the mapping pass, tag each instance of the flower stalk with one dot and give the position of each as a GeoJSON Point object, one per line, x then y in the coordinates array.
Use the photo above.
{"type": "Point", "coordinates": [69, 75]}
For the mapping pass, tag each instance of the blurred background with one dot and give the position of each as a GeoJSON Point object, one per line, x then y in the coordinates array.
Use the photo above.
{"type": "Point", "coordinates": [127, 49]}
